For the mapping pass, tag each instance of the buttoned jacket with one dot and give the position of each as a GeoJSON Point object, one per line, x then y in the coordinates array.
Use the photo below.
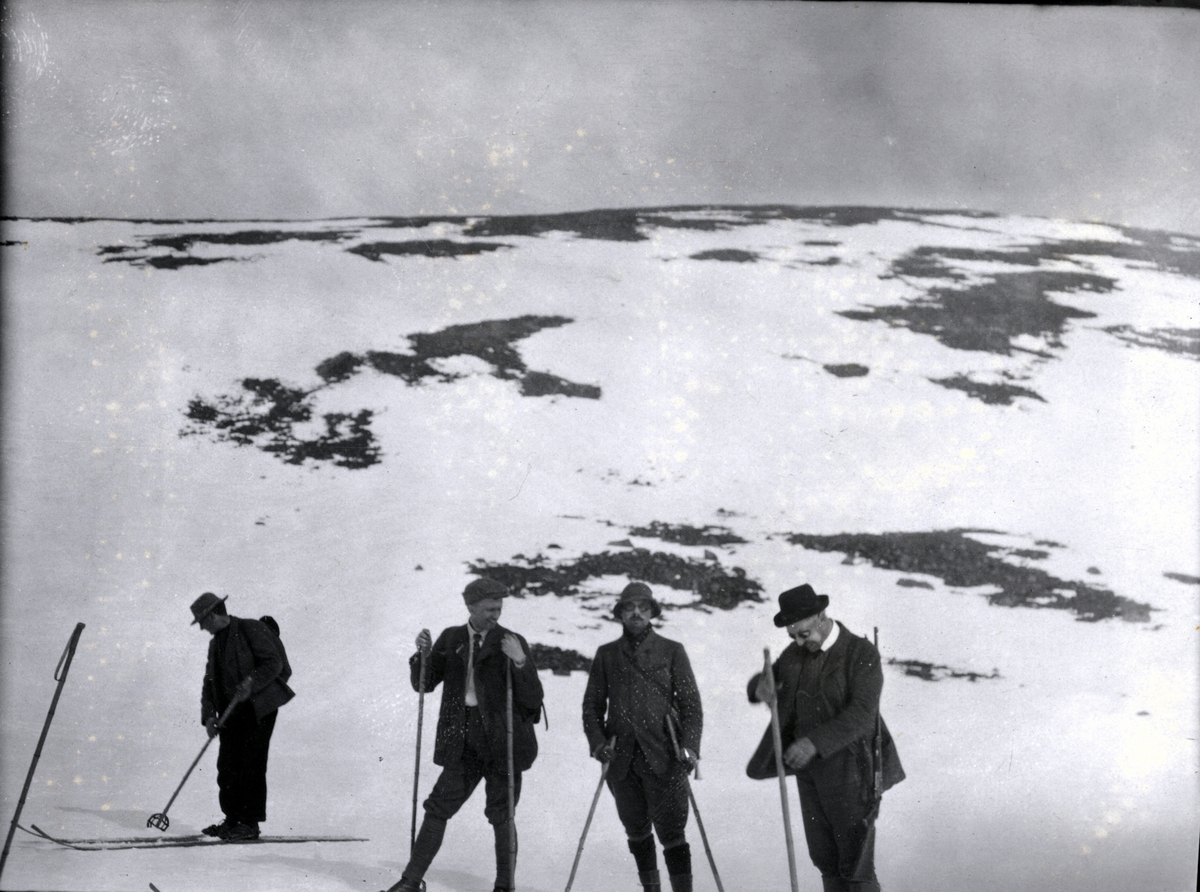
{"type": "Point", "coordinates": [447, 665]}
{"type": "Point", "coordinates": [842, 711]}
{"type": "Point", "coordinates": [251, 650]}
{"type": "Point", "coordinates": [630, 692]}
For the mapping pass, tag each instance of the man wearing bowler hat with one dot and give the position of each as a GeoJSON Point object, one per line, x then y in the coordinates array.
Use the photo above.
{"type": "Point", "coordinates": [472, 737]}
{"type": "Point", "coordinates": [642, 715]}
{"type": "Point", "coordinates": [827, 684]}
{"type": "Point", "coordinates": [247, 667]}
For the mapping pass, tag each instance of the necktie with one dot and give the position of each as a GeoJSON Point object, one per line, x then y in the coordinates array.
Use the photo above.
{"type": "Point", "coordinates": [469, 697]}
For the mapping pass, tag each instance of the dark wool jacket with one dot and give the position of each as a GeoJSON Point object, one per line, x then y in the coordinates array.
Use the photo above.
{"type": "Point", "coordinates": [845, 708]}
{"type": "Point", "coordinates": [448, 663]}
{"type": "Point", "coordinates": [244, 648]}
{"type": "Point", "coordinates": [623, 702]}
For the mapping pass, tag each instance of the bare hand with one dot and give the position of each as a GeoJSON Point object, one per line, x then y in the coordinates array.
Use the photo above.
{"type": "Point", "coordinates": [425, 642]}
{"type": "Point", "coordinates": [800, 753]}
{"type": "Point", "coordinates": [511, 646]}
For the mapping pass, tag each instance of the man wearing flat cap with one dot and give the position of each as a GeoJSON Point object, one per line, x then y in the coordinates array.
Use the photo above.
{"type": "Point", "coordinates": [827, 685]}
{"type": "Point", "coordinates": [248, 667]}
{"type": "Point", "coordinates": [642, 715]}
{"type": "Point", "coordinates": [472, 737]}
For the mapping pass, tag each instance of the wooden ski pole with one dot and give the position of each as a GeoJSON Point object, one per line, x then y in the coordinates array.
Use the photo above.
{"type": "Point", "coordinates": [159, 820]}
{"type": "Point", "coordinates": [412, 836]}
{"type": "Point", "coordinates": [769, 674]}
{"type": "Point", "coordinates": [588, 823]}
{"type": "Point", "coordinates": [512, 811]}
{"type": "Point", "coordinates": [695, 808]}
{"type": "Point", "coordinates": [60, 675]}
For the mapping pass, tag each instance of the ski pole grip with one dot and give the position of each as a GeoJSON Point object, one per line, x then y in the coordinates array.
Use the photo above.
{"type": "Point", "coordinates": [69, 652]}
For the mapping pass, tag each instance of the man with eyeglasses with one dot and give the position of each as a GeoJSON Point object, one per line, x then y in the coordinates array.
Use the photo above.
{"type": "Point", "coordinates": [827, 686]}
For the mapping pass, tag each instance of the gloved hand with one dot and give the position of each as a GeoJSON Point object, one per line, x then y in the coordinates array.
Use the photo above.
{"type": "Point", "coordinates": [689, 758]}
{"type": "Point", "coordinates": [211, 725]}
{"type": "Point", "coordinates": [604, 752]}
{"type": "Point", "coordinates": [511, 646]}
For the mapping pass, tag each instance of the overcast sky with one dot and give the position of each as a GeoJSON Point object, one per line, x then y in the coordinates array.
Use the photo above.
{"type": "Point", "coordinates": [292, 109]}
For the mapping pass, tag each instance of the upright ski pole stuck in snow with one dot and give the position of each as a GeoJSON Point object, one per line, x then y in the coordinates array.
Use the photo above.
{"type": "Point", "coordinates": [695, 808]}
{"type": "Point", "coordinates": [412, 837]}
{"type": "Point", "coordinates": [512, 812]}
{"type": "Point", "coordinates": [769, 673]}
{"type": "Point", "coordinates": [60, 675]}
{"type": "Point", "coordinates": [159, 820]}
{"type": "Point", "coordinates": [868, 843]}
{"type": "Point", "coordinates": [588, 823]}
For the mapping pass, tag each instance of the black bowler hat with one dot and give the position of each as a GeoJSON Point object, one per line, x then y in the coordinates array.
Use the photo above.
{"type": "Point", "coordinates": [799, 603]}
{"type": "Point", "coordinates": [637, 593]}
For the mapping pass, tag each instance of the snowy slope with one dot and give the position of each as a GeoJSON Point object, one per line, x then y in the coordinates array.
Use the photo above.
{"type": "Point", "coordinates": [977, 433]}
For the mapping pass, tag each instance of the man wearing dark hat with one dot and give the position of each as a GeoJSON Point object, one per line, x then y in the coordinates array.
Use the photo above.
{"type": "Point", "coordinates": [828, 683]}
{"type": "Point", "coordinates": [642, 715]}
{"type": "Point", "coordinates": [248, 667]}
{"type": "Point", "coordinates": [472, 736]}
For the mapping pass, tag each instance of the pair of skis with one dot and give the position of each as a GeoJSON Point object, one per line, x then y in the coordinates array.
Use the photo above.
{"type": "Point", "coordinates": [109, 844]}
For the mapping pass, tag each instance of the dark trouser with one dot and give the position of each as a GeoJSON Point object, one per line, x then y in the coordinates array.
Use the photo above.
{"type": "Point", "coordinates": [835, 808]}
{"type": "Point", "coordinates": [644, 801]}
{"type": "Point", "coordinates": [242, 765]}
{"type": "Point", "coordinates": [451, 791]}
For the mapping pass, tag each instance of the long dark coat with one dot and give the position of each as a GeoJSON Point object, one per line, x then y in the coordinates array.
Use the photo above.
{"type": "Point", "coordinates": [448, 664]}
{"type": "Point", "coordinates": [850, 684]}
{"type": "Point", "coordinates": [250, 649]}
{"type": "Point", "coordinates": [621, 701]}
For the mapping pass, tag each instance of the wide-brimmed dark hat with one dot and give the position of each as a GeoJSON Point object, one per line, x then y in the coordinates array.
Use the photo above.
{"type": "Point", "coordinates": [204, 605]}
{"type": "Point", "coordinates": [637, 593]}
{"type": "Point", "coordinates": [799, 603]}
{"type": "Point", "coordinates": [482, 589]}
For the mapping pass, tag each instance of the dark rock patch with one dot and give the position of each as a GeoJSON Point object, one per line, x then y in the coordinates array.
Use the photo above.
{"type": "Point", "coordinates": [183, 243]}
{"type": "Point", "coordinates": [714, 586]}
{"type": "Point", "coordinates": [1034, 554]}
{"type": "Point", "coordinates": [938, 672]}
{"type": "Point", "coordinates": [560, 661]}
{"type": "Point", "coordinates": [424, 248]}
{"type": "Point", "coordinates": [846, 370]}
{"type": "Point", "coordinates": [913, 583]}
{"type": "Point", "coordinates": [684, 534]}
{"type": "Point", "coordinates": [265, 416]}
{"type": "Point", "coordinates": [1183, 577]}
{"type": "Point", "coordinates": [730, 255]}
{"type": "Point", "coordinates": [1181, 341]}
{"type": "Point", "coordinates": [266, 412]}
{"type": "Point", "coordinates": [963, 562]}
{"type": "Point", "coordinates": [988, 316]}
{"type": "Point", "coordinates": [545, 384]}
{"type": "Point", "coordinates": [992, 394]}
{"type": "Point", "coordinates": [491, 341]}
{"type": "Point", "coordinates": [619, 225]}
{"type": "Point", "coordinates": [820, 244]}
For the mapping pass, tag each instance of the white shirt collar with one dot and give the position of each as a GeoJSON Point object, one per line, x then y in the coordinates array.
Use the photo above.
{"type": "Point", "coordinates": [831, 637]}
